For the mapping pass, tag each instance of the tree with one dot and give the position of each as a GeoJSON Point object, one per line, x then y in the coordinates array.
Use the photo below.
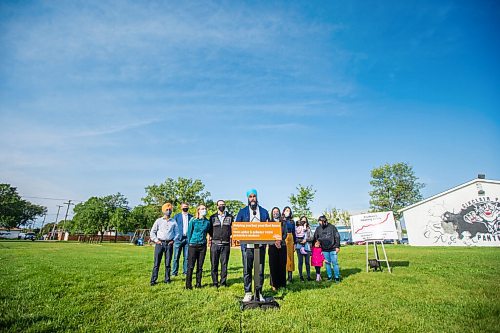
{"type": "Point", "coordinates": [337, 216]}
{"type": "Point", "coordinates": [300, 201]}
{"type": "Point", "coordinates": [91, 216]}
{"type": "Point", "coordinates": [143, 217]}
{"type": "Point", "coordinates": [234, 206]}
{"type": "Point", "coordinates": [14, 211]}
{"type": "Point", "coordinates": [394, 187]}
{"type": "Point", "coordinates": [177, 192]}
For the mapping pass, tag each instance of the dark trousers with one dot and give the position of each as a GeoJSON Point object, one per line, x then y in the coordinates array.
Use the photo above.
{"type": "Point", "coordinates": [277, 266]}
{"type": "Point", "coordinates": [248, 257]}
{"type": "Point", "coordinates": [219, 252]}
{"type": "Point", "coordinates": [304, 258]}
{"type": "Point", "coordinates": [166, 248]}
{"type": "Point", "coordinates": [318, 269]}
{"type": "Point", "coordinates": [196, 255]}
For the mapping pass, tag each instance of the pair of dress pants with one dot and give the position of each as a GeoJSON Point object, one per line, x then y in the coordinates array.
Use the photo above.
{"type": "Point", "coordinates": [248, 257]}
{"type": "Point", "coordinates": [219, 252]}
{"type": "Point", "coordinates": [160, 249]}
{"type": "Point", "coordinates": [196, 256]}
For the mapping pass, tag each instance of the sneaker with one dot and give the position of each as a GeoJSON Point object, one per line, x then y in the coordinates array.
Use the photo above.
{"type": "Point", "coordinates": [302, 278]}
{"type": "Point", "coordinates": [318, 278]}
{"type": "Point", "coordinates": [261, 298]}
{"type": "Point", "coordinates": [309, 278]}
{"type": "Point", "coordinates": [153, 284]}
{"type": "Point", "coordinates": [330, 278]}
{"type": "Point", "coordinates": [337, 280]}
{"type": "Point", "coordinates": [247, 298]}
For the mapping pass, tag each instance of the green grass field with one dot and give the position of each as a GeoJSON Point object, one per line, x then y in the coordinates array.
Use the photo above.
{"type": "Point", "coordinates": [50, 287]}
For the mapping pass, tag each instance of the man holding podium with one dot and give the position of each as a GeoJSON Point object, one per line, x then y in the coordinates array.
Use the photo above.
{"type": "Point", "coordinates": [252, 213]}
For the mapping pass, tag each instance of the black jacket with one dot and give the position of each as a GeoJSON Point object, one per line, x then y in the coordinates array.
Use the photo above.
{"type": "Point", "coordinates": [220, 233]}
{"type": "Point", "coordinates": [328, 237]}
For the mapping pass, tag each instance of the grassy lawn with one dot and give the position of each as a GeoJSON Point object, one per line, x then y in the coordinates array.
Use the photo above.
{"type": "Point", "coordinates": [69, 286]}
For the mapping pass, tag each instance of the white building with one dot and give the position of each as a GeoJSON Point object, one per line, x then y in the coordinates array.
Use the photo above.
{"type": "Point", "coordinates": [12, 233]}
{"type": "Point", "coordinates": [468, 214]}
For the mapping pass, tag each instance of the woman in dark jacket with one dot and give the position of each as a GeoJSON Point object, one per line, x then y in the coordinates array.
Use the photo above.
{"type": "Point", "coordinates": [277, 254]}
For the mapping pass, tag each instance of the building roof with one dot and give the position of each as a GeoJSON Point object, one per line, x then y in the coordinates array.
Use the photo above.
{"type": "Point", "coordinates": [474, 181]}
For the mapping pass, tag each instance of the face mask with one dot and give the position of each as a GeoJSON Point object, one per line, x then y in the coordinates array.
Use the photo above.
{"type": "Point", "coordinates": [185, 209]}
{"type": "Point", "coordinates": [222, 209]}
{"type": "Point", "coordinates": [203, 212]}
{"type": "Point", "coordinates": [168, 212]}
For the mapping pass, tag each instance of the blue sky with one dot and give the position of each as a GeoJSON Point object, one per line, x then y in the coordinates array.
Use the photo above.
{"type": "Point", "coordinates": [99, 97]}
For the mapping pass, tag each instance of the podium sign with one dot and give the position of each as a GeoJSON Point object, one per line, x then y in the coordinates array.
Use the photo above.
{"type": "Point", "coordinates": [256, 232]}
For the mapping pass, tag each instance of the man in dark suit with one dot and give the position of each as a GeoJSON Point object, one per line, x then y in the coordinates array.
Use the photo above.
{"type": "Point", "coordinates": [252, 213]}
{"type": "Point", "coordinates": [180, 245]}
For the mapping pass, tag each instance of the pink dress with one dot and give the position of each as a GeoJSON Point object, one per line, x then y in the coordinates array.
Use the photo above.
{"type": "Point", "coordinates": [317, 257]}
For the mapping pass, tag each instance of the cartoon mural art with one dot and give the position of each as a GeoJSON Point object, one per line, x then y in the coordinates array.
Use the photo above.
{"type": "Point", "coordinates": [466, 215]}
{"type": "Point", "coordinates": [477, 220]}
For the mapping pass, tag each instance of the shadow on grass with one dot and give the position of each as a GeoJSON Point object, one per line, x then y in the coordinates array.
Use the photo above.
{"type": "Point", "coordinates": [399, 263]}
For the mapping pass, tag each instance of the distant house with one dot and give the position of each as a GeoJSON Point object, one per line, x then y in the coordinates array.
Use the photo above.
{"type": "Point", "coordinates": [466, 215]}
{"type": "Point", "coordinates": [12, 233]}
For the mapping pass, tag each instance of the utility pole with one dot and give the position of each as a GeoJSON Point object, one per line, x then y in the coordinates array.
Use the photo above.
{"type": "Point", "coordinates": [66, 216]}
{"type": "Point", "coordinates": [43, 222]}
{"type": "Point", "coordinates": [55, 223]}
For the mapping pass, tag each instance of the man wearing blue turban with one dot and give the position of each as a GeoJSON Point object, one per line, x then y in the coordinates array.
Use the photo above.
{"type": "Point", "coordinates": [252, 213]}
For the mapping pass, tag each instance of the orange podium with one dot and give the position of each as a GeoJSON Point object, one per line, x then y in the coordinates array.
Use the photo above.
{"type": "Point", "coordinates": [255, 234]}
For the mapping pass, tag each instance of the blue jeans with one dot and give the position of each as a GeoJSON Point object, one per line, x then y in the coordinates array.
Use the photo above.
{"type": "Point", "coordinates": [180, 246]}
{"type": "Point", "coordinates": [331, 258]}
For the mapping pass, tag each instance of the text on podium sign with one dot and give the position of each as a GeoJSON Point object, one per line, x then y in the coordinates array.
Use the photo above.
{"type": "Point", "coordinates": [250, 232]}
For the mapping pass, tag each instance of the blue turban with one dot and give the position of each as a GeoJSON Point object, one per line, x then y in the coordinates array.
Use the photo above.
{"type": "Point", "coordinates": [251, 191]}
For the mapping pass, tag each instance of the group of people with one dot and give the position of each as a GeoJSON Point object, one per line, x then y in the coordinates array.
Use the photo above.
{"type": "Point", "coordinates": [192, 235]}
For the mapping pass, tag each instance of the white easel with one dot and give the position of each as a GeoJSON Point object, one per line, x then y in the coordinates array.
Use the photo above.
{"type": "Point", "coordinates": [375, 249]}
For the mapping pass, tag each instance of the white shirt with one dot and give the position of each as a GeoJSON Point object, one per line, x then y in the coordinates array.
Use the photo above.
{"type": "Point", "coordinates": [185, 223]}
{"type": "Point", "coordinates": [254, 218]}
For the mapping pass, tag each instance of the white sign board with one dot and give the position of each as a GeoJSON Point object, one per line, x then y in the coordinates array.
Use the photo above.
{"type": "Point", "coordinates": [373, 226]}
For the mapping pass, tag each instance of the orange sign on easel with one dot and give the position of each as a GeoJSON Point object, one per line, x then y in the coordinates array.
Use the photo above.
{"type": "Point", "coordinates": [256, 232]}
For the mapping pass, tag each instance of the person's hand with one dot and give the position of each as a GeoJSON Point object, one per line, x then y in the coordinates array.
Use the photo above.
{"type": "Point", "coordinates": [337, 249]}
{"type": "Point", "coordinates": [303, 242]}
{"type": "Point", "coordinates": [171, 242]}
{"type": "Point", "coordinates": [158, 242]}
{"type": "Point", "coordinates": [278, 244]}
{"type": "Point", "coordinates": [209, 242]}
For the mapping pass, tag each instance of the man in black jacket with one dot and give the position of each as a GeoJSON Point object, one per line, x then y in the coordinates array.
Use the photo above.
{"type": "Point", "coordinates": [329, 239]}
{"type": "Point", "coordinates": [220, 243]}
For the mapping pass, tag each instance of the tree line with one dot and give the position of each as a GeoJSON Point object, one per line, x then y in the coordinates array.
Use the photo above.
{"type": "Point", "coordinates": [394, 187]}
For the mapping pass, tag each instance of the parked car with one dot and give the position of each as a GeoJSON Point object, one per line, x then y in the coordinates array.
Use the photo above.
{"type": "Point", "coordinates": [27, 235]}
{"type": "Point", "coordinates": [30, 235]}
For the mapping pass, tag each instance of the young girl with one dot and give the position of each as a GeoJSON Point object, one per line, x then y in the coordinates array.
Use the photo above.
{"type": "Point", "coordinates": [317, 259]}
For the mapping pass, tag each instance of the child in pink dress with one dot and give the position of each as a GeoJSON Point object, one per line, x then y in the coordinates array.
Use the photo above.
{"type": "Point", "coordinates": [317, 259]}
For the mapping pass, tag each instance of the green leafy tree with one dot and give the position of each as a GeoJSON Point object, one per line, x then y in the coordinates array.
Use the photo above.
{"type": "Point", "coordinates": [143, 217]}
{"type": "Point", "coordinates": [234, 206]}
{"type": "Point", "coordinates": [14, 211]}
{"type": "Point", "coordinates": [300, 201]}
{"type": "Point", "coordinates": [337, 216]}
{"type": "Point", "coordinates": [394, 187]}
{"type": "Point", "coordinates": [177, 192]}
{"type": "Point", "coordinates": [119, 221]}
{"type": "Point", "coordinates": [91, 216]}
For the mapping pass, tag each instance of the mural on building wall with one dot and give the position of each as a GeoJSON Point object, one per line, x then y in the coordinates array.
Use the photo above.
{"type": "Point", "coordinates": [477, 221]}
